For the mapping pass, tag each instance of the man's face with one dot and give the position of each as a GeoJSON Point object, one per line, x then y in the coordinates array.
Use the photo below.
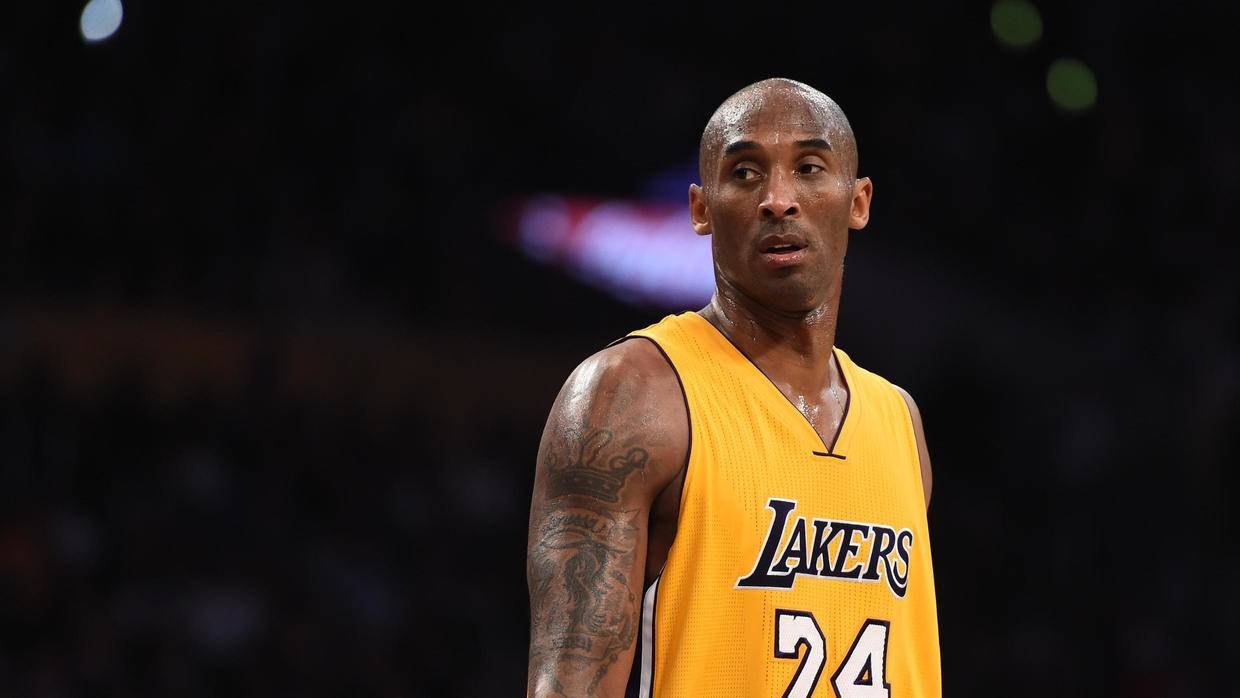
{"type": "Point", "coordinates": [779, 202]}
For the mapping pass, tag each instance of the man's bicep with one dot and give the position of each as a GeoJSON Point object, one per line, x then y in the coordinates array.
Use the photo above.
{"type": "Point", "coordinates": [594, 485]}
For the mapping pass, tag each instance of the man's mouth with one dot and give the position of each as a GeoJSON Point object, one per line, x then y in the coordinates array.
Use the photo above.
{"type": "Point", "coordinates": [780, 251]}
{"type": "Point", "coordinates": [783, 242]}
{"type": "Point", "coordinates": [783, 248]}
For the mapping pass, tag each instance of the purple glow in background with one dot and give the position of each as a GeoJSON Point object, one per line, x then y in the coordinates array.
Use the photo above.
{"type": "Point", "coordinates": [644, 253]}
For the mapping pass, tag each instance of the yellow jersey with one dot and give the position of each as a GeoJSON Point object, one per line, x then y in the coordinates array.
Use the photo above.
{"type": "Point", "coordinates": [799, 568]}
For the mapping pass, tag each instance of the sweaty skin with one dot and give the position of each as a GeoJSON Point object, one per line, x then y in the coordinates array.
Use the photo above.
{"type": "Point", "coordinates": [779, 195]}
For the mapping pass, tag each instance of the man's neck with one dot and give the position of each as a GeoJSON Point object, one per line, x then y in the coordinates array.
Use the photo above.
{"type": "Point", "coordinates": [794, 349]}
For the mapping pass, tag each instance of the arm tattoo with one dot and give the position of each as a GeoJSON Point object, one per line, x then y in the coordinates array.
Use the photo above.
{"type": "Point", "coordinates": [582, 602]}
{"type": "Point", "coordinates": [584, 475]}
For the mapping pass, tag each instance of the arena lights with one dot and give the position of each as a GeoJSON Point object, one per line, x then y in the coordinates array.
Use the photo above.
{"type": "Point", "coordinates": [1016, 23]}
{"type": "Point", "coordinates": [1070, 84]}
{"type": "Point", "coordinates": [100, 19]}
{"type": "Point", "coordinates": [643, 253]}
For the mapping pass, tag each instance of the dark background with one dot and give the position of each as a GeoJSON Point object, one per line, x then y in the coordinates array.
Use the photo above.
{"type": "Point", "coordinates": [272, 382]}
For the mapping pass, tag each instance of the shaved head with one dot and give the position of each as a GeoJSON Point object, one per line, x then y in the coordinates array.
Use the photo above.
{"type": "Point", "coordinates": [741, 108]}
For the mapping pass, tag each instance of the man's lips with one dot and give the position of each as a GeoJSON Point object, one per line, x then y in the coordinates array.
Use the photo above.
{"type": "Point", "coordinates": [785, 257]}
{"type": "Point", "coordinates": [781, 243]}
{"type": "Point", "coordinates": [782, 250]}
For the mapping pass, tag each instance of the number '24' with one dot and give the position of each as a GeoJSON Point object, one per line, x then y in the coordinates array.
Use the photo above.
{"type": "Point", "coordinates": [862, 674]}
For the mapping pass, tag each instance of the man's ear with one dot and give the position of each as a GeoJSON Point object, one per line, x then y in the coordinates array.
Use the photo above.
{"type": "Point", "coordinates": [697, 210]}
{"type": "Point", "coordinates": [859, 215]}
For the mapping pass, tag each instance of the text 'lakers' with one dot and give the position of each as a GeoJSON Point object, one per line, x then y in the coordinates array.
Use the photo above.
{"type": "Point", "coordinates": [835, 549]}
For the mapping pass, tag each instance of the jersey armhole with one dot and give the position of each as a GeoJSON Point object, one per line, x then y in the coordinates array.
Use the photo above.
{"type": "Point", "coordinates": [911, 434]}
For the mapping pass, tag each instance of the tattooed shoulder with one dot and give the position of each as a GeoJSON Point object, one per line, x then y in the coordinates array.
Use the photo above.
{"type": "Point", "coordinates": [587, 471]}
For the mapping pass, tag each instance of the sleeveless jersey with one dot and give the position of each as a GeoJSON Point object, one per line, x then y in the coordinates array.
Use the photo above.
{"type": "Point", "coordinates": [799, 568]}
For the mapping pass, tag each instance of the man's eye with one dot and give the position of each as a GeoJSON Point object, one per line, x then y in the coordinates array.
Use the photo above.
{"type": "Point", "coordinates": [810, 168]}
{"type": "Point", "coordinates": [744, 173]}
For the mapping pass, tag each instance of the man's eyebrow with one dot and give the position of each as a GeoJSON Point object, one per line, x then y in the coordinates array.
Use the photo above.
{"type": "Point", "coordinates": [815, 143]}
{"type": "Point", "coordinates": [738, 146]}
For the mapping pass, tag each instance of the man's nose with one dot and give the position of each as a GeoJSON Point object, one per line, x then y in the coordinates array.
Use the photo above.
{"type": "Point", "coordinates": [781, 199]}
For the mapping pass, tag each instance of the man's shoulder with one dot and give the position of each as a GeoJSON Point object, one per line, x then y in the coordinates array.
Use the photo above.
{"type": "Point", "coordinates": [660, 328]}
{"type": "Point", "coordinates": [627, 389]}
{"type": "Point", "coordinates": [858, 370]}
{"type": "Point", "coordinates": [634, 354]}
{"type": "Point", "coordinates": [642, 348]}
{"type": "Point", "coordinates": [874, 379]}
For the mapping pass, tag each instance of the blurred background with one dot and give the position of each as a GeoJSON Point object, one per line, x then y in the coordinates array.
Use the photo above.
{"type": "Point", "coordinates": [288, 289]}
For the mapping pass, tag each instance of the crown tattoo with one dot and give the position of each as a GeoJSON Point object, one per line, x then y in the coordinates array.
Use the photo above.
{"type": "Point", "coordinates": [588, 477]}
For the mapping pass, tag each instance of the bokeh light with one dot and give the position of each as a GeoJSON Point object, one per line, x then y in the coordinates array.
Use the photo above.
{"type": "Point", "coordinates": [1016, 23]}
{"type": "Point", "coordinates": [1071, 84]}
{"type": "Point", "coordinates": [100, 19]}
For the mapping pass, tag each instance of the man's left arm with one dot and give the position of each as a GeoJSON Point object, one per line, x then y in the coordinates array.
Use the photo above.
{"type": "Point", "coordinates": [923, 453]}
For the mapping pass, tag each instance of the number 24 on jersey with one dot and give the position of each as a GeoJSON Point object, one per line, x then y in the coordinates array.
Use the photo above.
{"type": "Point", "coordinates": [862, 674]}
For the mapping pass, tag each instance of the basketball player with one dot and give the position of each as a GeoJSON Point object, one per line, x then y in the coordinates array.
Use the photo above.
{"type": "Point", "coordinates": [725, 504]}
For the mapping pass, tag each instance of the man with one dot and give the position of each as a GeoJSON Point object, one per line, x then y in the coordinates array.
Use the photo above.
{"type": "Point", "coordinates": [724, 503]}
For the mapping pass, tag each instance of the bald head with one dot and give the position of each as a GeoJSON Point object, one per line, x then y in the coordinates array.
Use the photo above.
{"type": "Point", "coordinates": [744, 108]}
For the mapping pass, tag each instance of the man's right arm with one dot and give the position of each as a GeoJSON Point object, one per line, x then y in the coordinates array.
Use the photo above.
{"type": "Point", "coordinates": [616, 436]}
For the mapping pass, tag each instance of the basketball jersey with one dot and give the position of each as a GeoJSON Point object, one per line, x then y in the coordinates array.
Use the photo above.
{"type": "Point", "coordinates": [799, 568]}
